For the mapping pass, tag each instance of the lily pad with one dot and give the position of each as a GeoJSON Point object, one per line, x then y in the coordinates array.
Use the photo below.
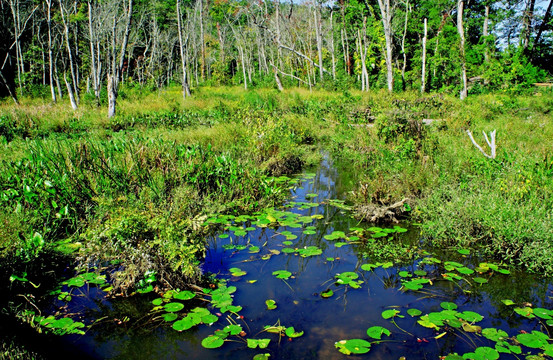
{"type": "Point", "coordinates": [233, 329]}
{"type": "Point", "coordinates": [388, 314]}
{"type": "Point", "coordinates": [282, 274]}
{"type": "Point", "coordinates": [376, 332]}
{"type": "Point", "coordinates": [292, 333]}
{"type": "Point", "coordinates": [212, 342]}
{"type": "Point", "coordinates": [271, 304]}
{"type": "Point", "coordinates": [353, 346]}
{"type": "Point", "coordinates": [261, 343]}
{"type": "Point", "coordinates": [261, 357]}
{"type": "Point", "coordinates": [184, 295]}
{"type": "Point", "coordinates": [414, 312]}
{"type": "Point", "coordinates": [535, 339]}
{"type": "Point", "coordinates": [169, 317]}
{"type": "Point", "coordinates": [237, 272]}
{"type": "Point", "coordinates": [448, 305]}
{"type": "Point", "coordinates": [173, 307]}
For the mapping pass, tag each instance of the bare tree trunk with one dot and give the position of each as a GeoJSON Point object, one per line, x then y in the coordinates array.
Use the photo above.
{"type": "Point", "coordinates": [70, 93]}
{"type": "Point", "coordinates": [185, 87]}
{"type": "Point", "coordinates": [485, 33]}
{"type": "Point", "coordinates": [50, 60]}
{"type": "Point", "coordinates": [461, 30]}
{"type": "Point", "coordinates": [404, 66]}
{"type": "Point", "coordinates": [202, 67]}
{"type": "Point", "coordinates": [277, 80]}
{"type": "Point", "coordinates": [221, 43]}
{"type": "Point", "coordinates": [241, 51]}
{"type": "Point", "coordinates": [332, 51]}
{"type": "Point", "coordinates": [15, 13]}
{"type": "Point", "coordinates": [319, 39]}
{"type": "Point", "coordinates": [386, 13]}
{"type": "Point", "coordinates": [363, 55]}
{"type": "Point", "coordinates": [423, 75]}
{"type": "Point", "coordinates": [117, 68]}
{"type": "Point", "coordinates": [71, 88]}
{"type": "Point", "coordinates": [93, 56]}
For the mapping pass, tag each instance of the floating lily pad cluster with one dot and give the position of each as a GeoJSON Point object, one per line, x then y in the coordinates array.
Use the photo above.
{"type": "Point", "coordinates": [349, 278]}
{"type": "Point", "coordinates": [65, 290]}
{"type": "Point", "coordinates": [60, 326]}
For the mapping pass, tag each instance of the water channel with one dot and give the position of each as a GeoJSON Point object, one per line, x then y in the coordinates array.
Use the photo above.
{"type": "Point", "coordinates": [315, 261]}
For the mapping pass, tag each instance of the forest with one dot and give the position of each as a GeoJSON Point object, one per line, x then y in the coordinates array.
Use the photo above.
{"type": "Point", "coordinates": [74, 48]}
{"type": "Point", "coordinates": [276, 180]}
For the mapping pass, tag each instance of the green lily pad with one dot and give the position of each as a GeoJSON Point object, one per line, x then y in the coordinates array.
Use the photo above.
{"type": "Point", "coordinates": [368, 267]}
{"type": "Point", "coordinates": [261, 343]}
{"type": "Point", "coordinates": [376, 332]}
{"type": "Point", "coordinates": [327, 293]}
{"type": "Point", "coordinates": [414, 312]}
{"type": "Point", "coordinates": [184, 295]}
{"type": "Point", "coordinates": [184, 324]}
{"type": "Point", "coordinates": [482, 353]}
{"type": "Point", "coordinates": [388, 314]}
{"type": "Point", "coordinates": [527, 312]}
{"type": "Point", "coordinates": [353, 346]}
{"type": "Point", "coordinates": [282, 274]}
{"type": "Point", "coordinates": [271, 304]}
{"type": "Point", "coordinates": [237, 272]}
{"type": "Point", "coordinates": [168, 317]}
{"type": "Point", "coordinates": [233, 329]}
{"type": "Point", "coordinates": [535, 339]}
{"type": "Point", "coordinates": [494, 334]}
{"type": "Point", "coordinates": [543, 313]}
{"type": "Point", "coordinates": [448, 305]}
{"type": "Point", "coordinates": [261, 357]}
{"type": "Point", "coordinates": [480, 280]}
{"type": "Point", "coordinates": [173, 307]}
{"type": "Point", "coordinates": [310, 251]}
{"type": "Point", "coordinates": [291, 332]}
{"type": "Point", "coordinates": [157, 302]}
{"type": "Point", "coordinates": [212, 342]}
{"type": "Point", "coordinates": [471, 316]}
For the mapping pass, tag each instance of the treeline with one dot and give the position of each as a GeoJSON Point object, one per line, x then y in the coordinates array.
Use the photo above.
{"type": "Point", "coordinates": [85, 49]}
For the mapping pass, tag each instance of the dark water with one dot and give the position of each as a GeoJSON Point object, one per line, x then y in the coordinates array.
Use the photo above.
{"type": "Point", "coordinates": [325, 321]}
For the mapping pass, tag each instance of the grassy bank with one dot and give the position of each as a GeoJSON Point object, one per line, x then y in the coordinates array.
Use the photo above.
{"type": "Point", "coordinates": [134, 189]}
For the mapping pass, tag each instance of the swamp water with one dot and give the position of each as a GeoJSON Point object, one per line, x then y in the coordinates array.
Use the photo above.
{"type": "Point", "coordinates": [300, 282]}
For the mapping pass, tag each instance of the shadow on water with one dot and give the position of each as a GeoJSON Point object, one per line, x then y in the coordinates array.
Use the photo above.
{"type": "Point", "coordinates": [345, 315]}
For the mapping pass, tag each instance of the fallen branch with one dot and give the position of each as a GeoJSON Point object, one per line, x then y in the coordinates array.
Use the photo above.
{"type": "Point", "coordinates": [491, 143]}
{"type": "Point", "coordinates": [381, 214]}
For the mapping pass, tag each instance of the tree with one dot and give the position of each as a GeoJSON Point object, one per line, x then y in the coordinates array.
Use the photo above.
{"type": "Point", "coordinates": [118, 50]}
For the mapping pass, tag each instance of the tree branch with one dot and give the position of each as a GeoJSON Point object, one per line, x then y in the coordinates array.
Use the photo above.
{"type": "Point", "coordinates": [490, 144]}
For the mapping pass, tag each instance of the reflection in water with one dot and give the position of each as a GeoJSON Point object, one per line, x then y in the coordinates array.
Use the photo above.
{"type": "Point", "coordinates": [346, 315]}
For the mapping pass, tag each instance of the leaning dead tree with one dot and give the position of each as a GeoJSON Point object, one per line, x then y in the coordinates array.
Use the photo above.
{"type": "Point", "coordinates": [491, 143]}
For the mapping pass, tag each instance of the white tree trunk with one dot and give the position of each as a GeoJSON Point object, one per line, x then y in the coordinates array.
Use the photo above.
{"type": "Point", "coordinates": [485, 33]}
{"type": "Point", "coordinates": [50, 60]}
{"type": "Point", "coordinates": [185, 87]}
{"type": "Point", "coordinates": [93, 70]}
{"type": "Point", "coordinates": [423, 72]}
{"type": "Point", "coordinates": [319, 40]}
{"type": "Point", "coordinates": [461, 30]}
{"type": "Point", "coordinates": [386, 13]}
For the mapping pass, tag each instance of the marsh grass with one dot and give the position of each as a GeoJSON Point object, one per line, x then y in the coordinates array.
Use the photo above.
{"type": "Point", "coordinates": [239, 137]}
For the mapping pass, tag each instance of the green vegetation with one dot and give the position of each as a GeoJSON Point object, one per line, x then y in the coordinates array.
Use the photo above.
{"type": "Point", "coordinates": [140, 193]}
